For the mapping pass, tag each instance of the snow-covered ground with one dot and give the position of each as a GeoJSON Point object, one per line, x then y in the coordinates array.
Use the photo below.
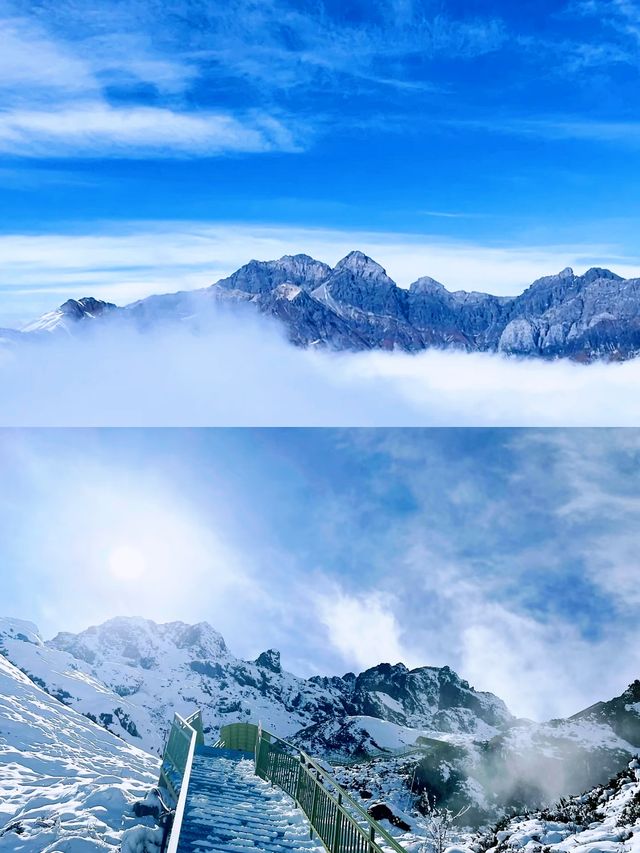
{"type": "Point", "coordinates": [66, 784]}
{"type": "Point", "coordinates": [604, 820]}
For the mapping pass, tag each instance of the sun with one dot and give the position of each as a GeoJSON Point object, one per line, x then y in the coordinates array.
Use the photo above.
{"type": "Point", "coordinates": [126, 563]}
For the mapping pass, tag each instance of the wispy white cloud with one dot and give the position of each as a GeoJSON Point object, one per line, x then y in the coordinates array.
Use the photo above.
{"type": "Point", "coordinates": [621, 15]}
{"type": "Point", "coordinates": [362, 628]}
{"type": "Point", "coordinates": [56, 103]}
{"type": "Point", "coordinates": [625, 132]}
{"type": "Point", "coordinates": [31, 61]}
{"type": "Point", "coordinates": [99, 130]}
{"type": "Point", "coordinates": [37, 63]}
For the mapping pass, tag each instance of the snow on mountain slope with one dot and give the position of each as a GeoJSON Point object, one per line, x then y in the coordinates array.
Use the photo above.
{"type": "Point", "coordinates": [179, 667]}
{"type": "Point", "coordinates": [70, 313]}
{"type": "Point", "coordinates": [71, 681]}
{"type": "Point", "coordinates": [66, 784]}
{"type": "Point", "coordinates": [182, 667]}
{"type": "Point", "coordinates": [604, 820]}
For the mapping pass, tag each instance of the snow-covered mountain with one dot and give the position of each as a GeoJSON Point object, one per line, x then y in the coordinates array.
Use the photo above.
{"type": "Point", "coordinates": [132, 674]}
{"type": "Point", "coordinates": [64, 318]}
{"type": "Point", "coordinates": [66, 784]}
{"type": "Point", "coordinates": [356, 306]}
{"type": "Point", "coordinates": [462, 745]}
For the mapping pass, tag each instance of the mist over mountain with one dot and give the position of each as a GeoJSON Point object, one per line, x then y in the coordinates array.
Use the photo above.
{"type": "Point", "coordinates": [465, 747]}
{"type": "Point", "coordinates": [356, 306]}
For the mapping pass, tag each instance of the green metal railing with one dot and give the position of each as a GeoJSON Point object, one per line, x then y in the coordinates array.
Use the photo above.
{"type": "Point", "coordinates": [175, 771]}
{"type": "Point", "coordinates": [402, 752]}
{"type": "Point", "coordinates": [340, 823]}
{"type": "Point", "coordinates": [242, 736]}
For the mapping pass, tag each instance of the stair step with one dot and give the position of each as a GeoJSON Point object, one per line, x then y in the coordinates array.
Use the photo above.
{"type": "Point", "coordinates": [229, 810]}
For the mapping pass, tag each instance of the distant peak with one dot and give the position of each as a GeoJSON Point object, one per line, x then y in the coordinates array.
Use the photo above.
{"type": "Point", "coordinates": [426, 284]}
{"type": "Point", "coordinates": [362, 265]}
{"type": "Point", "coordinates": [300, 258]}
{"type": "Point", "coordinates": [269, 660]}
{"type": "Point", "coordinates": [596, 273]}
{"type": "Point", "coordinates": [85, 307]}
{"type": "Point", "coordinates": [20, 629]}
{"type": "Point", "coordinates": [567, 272]}
{"type": "Point", "coordinates": [87, 303]}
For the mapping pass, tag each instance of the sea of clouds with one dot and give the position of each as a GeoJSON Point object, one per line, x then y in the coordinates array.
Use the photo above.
{"type": "Point", "coordinates": [237, 371]}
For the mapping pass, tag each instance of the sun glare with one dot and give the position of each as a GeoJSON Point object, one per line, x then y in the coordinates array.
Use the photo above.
{"type": "Point", "coordinates": [126, 563]}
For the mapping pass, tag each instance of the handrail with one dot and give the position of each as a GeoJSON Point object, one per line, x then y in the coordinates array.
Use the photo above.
{"type": "Point", "coordinates": [341, 824]}
{"type": "Point", "coordinates": [337, 760]}
{"type": "Point", "coordinates": [182, 733]}
{"type": "Point", "coordinates": [305, 780]}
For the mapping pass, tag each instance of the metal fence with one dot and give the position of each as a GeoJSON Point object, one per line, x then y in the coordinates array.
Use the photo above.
{"type": "Point", "coordinates": [175, 771]}
{"type": "Point", "coordinates": [340, 823]}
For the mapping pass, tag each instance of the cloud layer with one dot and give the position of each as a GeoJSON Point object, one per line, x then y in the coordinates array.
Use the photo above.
{"type": "Point", "coordinates": [238, 370]}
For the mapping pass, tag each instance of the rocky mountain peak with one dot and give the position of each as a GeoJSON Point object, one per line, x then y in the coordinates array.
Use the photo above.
{"type": "Point", "coordinates": [269, 660]}
{"type": "Point", "coordinates": [264, 276]}
{"type": "Point", "coordinates": [363, 267]}
{"type": "Point", "coordinates": [428, 286]}
{"type": "Point", "coordinates": [71, 312]}
{"type": "Point", "coordinates": [632, 693]}
{"type": "Point", "coordinates": [598, 273]}
{"type": "Point", "coordinates": [357, 306]}
{"type": "Point", "coordinates": [87, 306]}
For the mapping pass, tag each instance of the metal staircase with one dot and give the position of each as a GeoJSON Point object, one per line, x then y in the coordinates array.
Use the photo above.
{"type": "Point", "coordinates": [223, 804]}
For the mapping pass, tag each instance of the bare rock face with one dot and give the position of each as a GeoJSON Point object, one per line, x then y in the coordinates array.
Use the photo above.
{"type": "Point", "coordinates": [357, 306]}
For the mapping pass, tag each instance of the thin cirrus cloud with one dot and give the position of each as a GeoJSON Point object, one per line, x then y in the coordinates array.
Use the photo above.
{"type": "Point", "coordinates": [99, 129]}
{"type": "Point", "coordinates": [56, 105]}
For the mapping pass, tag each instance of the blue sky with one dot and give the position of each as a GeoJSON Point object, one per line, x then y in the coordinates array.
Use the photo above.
{"type": "Point", "coordinates": [505, 131]}
{"type": "Point", "coordinates": [510, 555]}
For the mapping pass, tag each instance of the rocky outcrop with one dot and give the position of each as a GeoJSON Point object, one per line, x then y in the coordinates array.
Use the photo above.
{"type": "Point", "coordinates": [357, 306]}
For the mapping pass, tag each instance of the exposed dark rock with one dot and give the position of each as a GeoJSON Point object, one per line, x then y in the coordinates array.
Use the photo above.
{"type": "Point", "coordinates": [381, 811]}
{"type": "Point", "coordinates": [356, 306]}
{"type": "Point", "coordinates": [270, 660]}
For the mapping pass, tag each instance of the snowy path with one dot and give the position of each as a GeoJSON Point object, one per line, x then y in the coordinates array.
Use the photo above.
{"type": "Point", "coordinates": [231, 810]}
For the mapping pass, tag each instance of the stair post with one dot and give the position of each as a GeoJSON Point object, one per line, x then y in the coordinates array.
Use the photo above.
{"type": "Point", "coordinates": [312, 817]}
{"type": "Point", "coordinates": [336, 831]}
{"type": "Point", "coordinates": [372, 835]}
{"type": "Point", "coordinates": [299, 779]}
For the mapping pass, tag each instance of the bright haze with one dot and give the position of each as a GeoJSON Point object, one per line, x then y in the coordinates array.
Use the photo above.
{"type": "Point", "coordinates": [143, 150]}
{"type": "Point", "coordinates": [509, 555]}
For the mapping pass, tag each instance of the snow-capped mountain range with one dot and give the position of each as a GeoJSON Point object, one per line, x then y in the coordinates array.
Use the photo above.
{"type": "Point", "coordinates": [130, 675]}
{"type": "Point", "coordinates": [356, 306]}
